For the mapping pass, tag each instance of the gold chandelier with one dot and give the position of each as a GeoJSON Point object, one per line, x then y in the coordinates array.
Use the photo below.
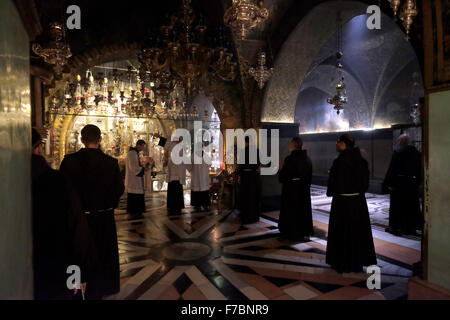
{"type": "Point", "coordinates": [407, 14]}
{"type": "Point", "coordinates": [244, 15]}
{"type": "Point", "coordinates": [121, 93]}
{"type": "Point", "coordinates": [183, 59]}
{"type": "Point", "coordinates": [56, 52]}
{"type": "Point", "coordinates": [261, 74]}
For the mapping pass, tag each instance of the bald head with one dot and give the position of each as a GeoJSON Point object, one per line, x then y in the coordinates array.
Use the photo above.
{"type": "Point", "coordinates": [403, 140]}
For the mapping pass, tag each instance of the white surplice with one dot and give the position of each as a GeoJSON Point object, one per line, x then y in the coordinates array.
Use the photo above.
{"type": "Point", "coordinates": [175, 171]}
{"type": "Point", "coordinates": [133, 183]}
{"type": "Point", "coordinates": [200, 180]}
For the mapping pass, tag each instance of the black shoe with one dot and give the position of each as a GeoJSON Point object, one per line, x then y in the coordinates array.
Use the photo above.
{"type": "Point", "coordinates": [135, 216]}
{"type": "Point", "coordinates": [395, 232]}
{"type": "Point", "coordinates": [412, 233]}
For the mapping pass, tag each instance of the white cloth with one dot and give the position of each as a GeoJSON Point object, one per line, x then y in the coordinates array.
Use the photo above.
{"type": "Point", "coordinates": [200, 180]}
{"type": "Point", "coordinates": [175, 171]}
{"type": "Point", "coordinates": [133, 183]}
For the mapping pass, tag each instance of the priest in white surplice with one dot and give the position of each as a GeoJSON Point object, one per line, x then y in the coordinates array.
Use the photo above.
{"type": "Point", "coordinates": [176, 178]}
{"type": "Point", "coordinates": [134, 180]}
{"type": "Point", "coordinates": [200, 183]}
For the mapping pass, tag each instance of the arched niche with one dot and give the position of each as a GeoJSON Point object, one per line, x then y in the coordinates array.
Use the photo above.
{"type": "Point", "coordinates": [382, 78]}
{"type": "Point", "coordinates": [209, 121]}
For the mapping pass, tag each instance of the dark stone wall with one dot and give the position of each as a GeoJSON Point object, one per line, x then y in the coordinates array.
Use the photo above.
{"type": "Point", "coordinates": [376, 147]}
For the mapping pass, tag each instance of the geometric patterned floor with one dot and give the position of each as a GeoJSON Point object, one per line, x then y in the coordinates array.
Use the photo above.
{"type": "Point", "coordinates": [378, 205]}
{"type": "Point", "coordinates": [212, 256]}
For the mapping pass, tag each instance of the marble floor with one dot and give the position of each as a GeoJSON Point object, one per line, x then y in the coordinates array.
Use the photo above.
{"type": "Point", "coordinates": [212, 256]}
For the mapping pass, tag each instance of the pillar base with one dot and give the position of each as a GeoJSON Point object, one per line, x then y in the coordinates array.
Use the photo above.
{"type": "Point", "coordinates": [419, 289]}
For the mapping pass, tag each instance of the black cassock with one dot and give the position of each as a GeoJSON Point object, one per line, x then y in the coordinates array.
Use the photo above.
{"type": "Point", "coordinates": [97, 180]}
{"type": "Point", "coordinates": [350, 243]}
{"type": "Point", "coordinates": [249, 194]}
{"type": "Point", "coordinates": [404, 176]}
{"type": "Point", "coordinates": [295, 212]}
{"type": "Point", "coordinates": [61, 236]}
{"type": "Point", "coordinates": [175, 196]}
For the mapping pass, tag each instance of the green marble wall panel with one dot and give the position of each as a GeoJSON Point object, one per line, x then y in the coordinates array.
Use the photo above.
{"type": "Point", "coordinates": [437, 213]}
{"type": "Point", "coordinates": [15, 185]}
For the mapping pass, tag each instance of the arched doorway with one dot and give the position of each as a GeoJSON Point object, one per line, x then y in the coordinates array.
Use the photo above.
{"type": "Point", "coordinates": [121, 125]}
{"type": "Point", "coordinates": [382, 76]}
{"type": "Point", "coordinates": [298, 53]}
{"type": "Point", "coordinates": [383, 79]}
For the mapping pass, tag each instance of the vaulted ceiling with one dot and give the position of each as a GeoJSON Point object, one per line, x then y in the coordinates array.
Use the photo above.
{"type": "Point", "coordinates": [107, 23]}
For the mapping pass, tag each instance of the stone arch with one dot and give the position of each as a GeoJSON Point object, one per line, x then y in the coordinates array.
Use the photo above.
{"type": "Point", "coordinates": [373, 60]}
{"type": "Point", "coordinates": [282, 90]}
{"type": "Point", "coordinates": [230, 117]}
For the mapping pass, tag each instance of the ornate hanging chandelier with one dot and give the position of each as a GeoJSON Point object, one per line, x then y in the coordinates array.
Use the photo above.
{"type": "Point", "coordinates": [171, 70]}
{"type": "Point", "coordinates": [56, 52]}
{"type": "Point", "coordinates": [244, 15]}
{"type": "Point", "coordinates": [122, 93]}
{"type": "Point", "coordinates": [340, 98]}
{"type": "Point", "coordinates": [407, 14]}
{"type": "Point", "coordinates": [260, 73]}
{"type": "Point", "coordinates": [116, 94]}
{"type": "Point", "coordinates": [183, 58]}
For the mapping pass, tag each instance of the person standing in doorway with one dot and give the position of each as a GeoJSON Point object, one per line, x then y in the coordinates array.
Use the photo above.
{"type": "Point", "coordinates": [350, 243]}
{"type": "Point", "coordinates": [134, 181]}
{"type": "Point", "coordinates": [295, 211]}
{"type": "Point", "coordinates": [402, 182]}
{"type": "Point", "coordinates": [97, 181]}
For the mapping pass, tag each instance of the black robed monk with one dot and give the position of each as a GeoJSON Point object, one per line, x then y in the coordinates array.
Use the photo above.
{"type": "Point", "coordinates": [295, 220]}
{"type": "Point", "coordinates": [402, 182]}
{"type": "Point", "coordinates": [249, 186]}
{"type": "Point", "coordinates": [61, 236]}
{"type": "Point", "coordinates": [350, 243]}
{"type": "Point", "coordinates": [97, 180]}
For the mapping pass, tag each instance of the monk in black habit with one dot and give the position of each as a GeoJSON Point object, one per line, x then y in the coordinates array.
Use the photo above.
{"type": "Point", "coordinates": [61, 236]}
{"type": "Point", "coordinates": [350, 243]}
{"type": "Point", "coordinates": [402, 182]}
{"type": "Point", "coordinates": [97, 180]}
{"type": "Point", "coordinates": [295, 220]}
{"type": "Point", "coordinates": [249, 187]}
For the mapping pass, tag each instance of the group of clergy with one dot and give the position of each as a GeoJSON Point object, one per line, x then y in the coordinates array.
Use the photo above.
{"type": "Point", "coordinates": [74, 223]}
{"type": "Point", "coordinates": [176, 179]}
{"type": "Point", "coordinates": [350, 244]}
{"type": "Point", "coordinates": [73, 213]}
{"type": "Point", "coordinates": [73, 208]}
